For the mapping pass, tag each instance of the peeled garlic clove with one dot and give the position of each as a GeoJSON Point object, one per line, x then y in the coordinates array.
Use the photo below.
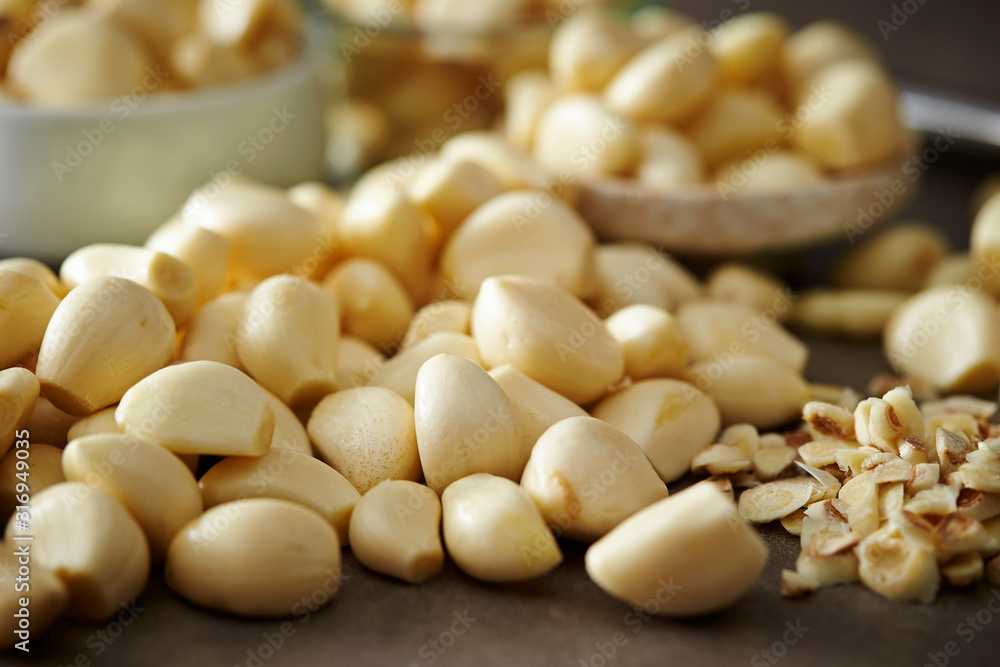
{"type": "Point", "coordinates": [850, 313]}
{"type": "Point", "coordinates": [367, 434]}
{"type": "Point", "coordinates": [35, 269]}
{"type": "Point", "coordinates": [42, 601]}
{"type": "Point", "coordinates": [289, 433]}
{"type": "Point", "coordinates": [494, 532]}
{"type": "Point", "coordinates": [453, 316]}
{"type": "Point", "coordinates": [897, 259]}
{"type": "Point", "coordinates": [168, 278]}
{"type": "Point", "coordinates": [49, 424]}
{"type": "Point", "coordinates": [357, 362]}
{"type": "Point", "coordinates": [105, 336]}
{"type": "Point", "coordinates": [102, 421]}
{"type": "Point", "coordinates": [738, 283]}
{"type": "Point", "coordinates": [374, 305]}
{"type": "Point", "coordinates": [921, 339]}
{"type": "Point", "coordinates": [631, 273]}
{"type": "Point", "coordinates": [748, 46]}
{"type": "Point", "coordinates": [774, 500]}
{"type": "Point", "coordinates": [570, 128]}
{"type": "Point", "coordinates": [450, 190]}
{"type": "Point", "coordinates": [752, 389]}
{"type": "Point", "coordinates": [18, 395]}
{"type": "Point", "coordinates": [79, 56]}
{"type": "Point", "coordinates": [44, 469]}
{"type": "Point", "coordinates": [396, 530]}
{"type": "Point", "coordinates": [92, 543]}
{"type": "Point", "coordinates": [548, 335]}
{"type": "Point", "coordinates": [820, 44]}
{"type": "Point", "coordinates": [28, 308]}
{"type": "Point", "coordinates": [780, 171]}
{"type": "Point", "coordinates": [213, 332]}
{"type": "Point", "coordinates": [897, 569]}
{"type": "Point", "coordinates": [587, 50]}
{"type": "Point", "coordinates": [716, 329]}
{"type": "Point", "coordinates": [671, 420]}
{"type": "Point", "coordinates": [525, 232]}
{"type": "Point", "coordinates": [527, 94]}
{"type": "Point", "coordinates": [686, 555]}
{"type": "Point", "coordinates": [154, 486]}
{"type": "Point", "coordinates": [515, 169]}
{"type": "Point", "coordinates": [204, 251]}
{"type": "Point", "coordinates": [654, 22]}
{"type": "Point", "coordinates": [736, 123]}
{"type": "Point", "coordinates": [284, 474]}
{"type": "Point", "coordinates": [391, 229]}
{"type": "Point", "coordinates": [257, 557]}
{"type": "Point", "coordinates": [652, 341]}
{"type": "Point", "coordinates": [586, 477]}
{"type": "Point", "coordinates": [854, 119]}
{"type": "Point", "coordinates": [464, 423]}
{"type": "Point", "coordinates": [269, 234]}
{"type": "Point", "coordinates": [400, 372]}
{"type": "Point", "coordinates": [282, 309]}
{"type": "Point", "coordinates": [238, 24]}
{"type": "Point", "coordinates": [201, 407]}
{"type": "Point", "coordinates": [536, 407]}
{"type": "Point", "coordinates": [199, 61]}
{"type": "Point", "coordinates": [651, 86]}
{"type": "Point", "coordinates": [668, 159]}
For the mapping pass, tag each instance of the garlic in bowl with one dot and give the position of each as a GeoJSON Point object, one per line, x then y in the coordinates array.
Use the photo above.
{"type": "Point", "coordinates": [112, 111]}
{"type": "Point", "coordinates": [740, 139]}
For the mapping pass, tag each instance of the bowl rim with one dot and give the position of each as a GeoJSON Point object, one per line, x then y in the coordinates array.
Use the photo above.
{"type": "Point", "coordinates": [224, 94]}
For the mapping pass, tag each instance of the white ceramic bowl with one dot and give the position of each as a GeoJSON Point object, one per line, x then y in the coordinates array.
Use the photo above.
{"type": "Point", "coordinates": [69, 177]}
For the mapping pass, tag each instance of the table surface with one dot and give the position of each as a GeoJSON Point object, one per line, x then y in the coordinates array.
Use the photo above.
{"type": "Point", "coordinates": [564, 619]}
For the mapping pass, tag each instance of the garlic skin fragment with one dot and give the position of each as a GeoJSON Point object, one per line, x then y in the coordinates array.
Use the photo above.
{"type": "Point", "coordinates": [494, 532]}
{"type": "Point", "coordinates": [671, 420]}
{"type": "Point", "coordinates": [464, 423]}
{"type": "Point", "coordinates": [92, 543]}
{"type": "Point", "coordinates": [368, 435]}
{"type": "Point", "coordinates": [201, 407]}
{"type": "Point", "coordinates": [130, 328]}
{"type": "Point", "coordinates": [686, 555]}
{"type": "Point", "coordinates": [396, 531]}
{"type": "Point", "coordinates": [586, 477]}
{"type": "Point", "coordinates": [268, 556]}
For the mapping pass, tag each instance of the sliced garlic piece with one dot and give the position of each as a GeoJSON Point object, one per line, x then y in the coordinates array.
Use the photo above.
{"type": "Point", "coordinates": [774, 500]}
{"type": "Point", "coordinates": [895, 568]}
